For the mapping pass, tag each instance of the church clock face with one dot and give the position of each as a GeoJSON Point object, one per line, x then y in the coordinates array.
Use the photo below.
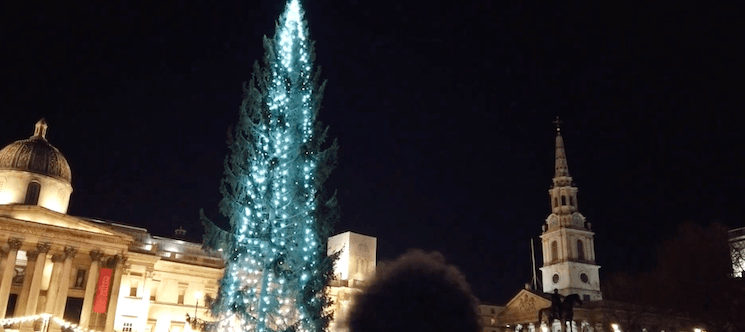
{"type": "Point", "coordinates": [556, 278]}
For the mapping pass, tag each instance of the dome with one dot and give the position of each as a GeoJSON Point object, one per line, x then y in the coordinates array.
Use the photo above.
{"type": "Point", "coordinates": [36, 155]}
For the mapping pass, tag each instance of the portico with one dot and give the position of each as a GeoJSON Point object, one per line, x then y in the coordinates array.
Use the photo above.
{"type": "Point", "coordinates": [52, 259]}
{"type": "Point", "coordinates": [85, 273]}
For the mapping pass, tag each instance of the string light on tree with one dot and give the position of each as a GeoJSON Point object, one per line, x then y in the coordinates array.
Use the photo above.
{"type": "Point", "coordinates": [280, 218]}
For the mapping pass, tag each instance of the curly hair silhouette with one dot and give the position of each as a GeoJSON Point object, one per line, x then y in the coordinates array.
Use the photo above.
{"type": "Point", "coordinates": [416, 292]}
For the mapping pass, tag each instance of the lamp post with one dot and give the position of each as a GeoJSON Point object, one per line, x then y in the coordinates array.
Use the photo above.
{"type": "Point", "coordinates": [197, 295]}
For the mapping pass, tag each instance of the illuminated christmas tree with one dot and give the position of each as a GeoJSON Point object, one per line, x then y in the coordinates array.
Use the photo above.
{"type": "Point", "coordinates": [280, 219]}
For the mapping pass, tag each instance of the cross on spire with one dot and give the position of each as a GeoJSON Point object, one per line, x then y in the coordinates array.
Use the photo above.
{"type": "Point", "coordinates": [558, 123]}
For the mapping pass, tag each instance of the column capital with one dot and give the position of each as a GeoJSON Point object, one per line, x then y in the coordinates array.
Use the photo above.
{"type": "Point", "coordinates": [43, 247]}
{"type": "Point", "coordinates": [70, 252]}
{"type": "Point", "coordinates": [15, 243]}
{"type": "Point", "coordinates": [95, 255]}
{"type": "Point", "coordinates": [31, 255]}
{"type": "Point", "coordinates": [116, 260]}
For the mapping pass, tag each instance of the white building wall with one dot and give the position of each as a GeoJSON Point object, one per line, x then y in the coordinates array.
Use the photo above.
{"type": "Point", "coordinates": [54, 193]}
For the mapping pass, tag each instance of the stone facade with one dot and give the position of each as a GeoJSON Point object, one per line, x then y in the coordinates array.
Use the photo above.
{"type": "Point", "coordinates": [525, 312]}
{"type": "Point", "coordinates": [737, 247]}
{"type": "Point", "coordinates": [569, 266]}
{"type": "Point", "coordinates": [568, 241]}
{"type": "Point", "coordinates": [52, 262]}
{"type": "Point", "coordinates": [356, 264]}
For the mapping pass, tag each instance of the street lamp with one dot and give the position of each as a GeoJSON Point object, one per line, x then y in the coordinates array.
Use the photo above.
{"type": "Point", "coordinates": [197, 295]}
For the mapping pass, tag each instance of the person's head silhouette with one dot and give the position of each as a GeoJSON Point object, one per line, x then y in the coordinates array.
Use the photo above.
{"type": "Point", "coordinates": [417, 292]}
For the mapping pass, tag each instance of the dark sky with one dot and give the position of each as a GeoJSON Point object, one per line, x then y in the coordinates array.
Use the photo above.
{"type": "Point", "coordinates": [443, 112]}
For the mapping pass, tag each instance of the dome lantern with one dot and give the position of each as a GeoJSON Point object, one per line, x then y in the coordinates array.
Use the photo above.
{"type": "Point", "coordinates": [40, 130]}
{"type": "Point", "coordinates": [34, 172]}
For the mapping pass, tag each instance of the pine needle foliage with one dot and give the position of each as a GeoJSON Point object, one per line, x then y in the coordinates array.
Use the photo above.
{"type": "Point", "coordinates": [280, 218]}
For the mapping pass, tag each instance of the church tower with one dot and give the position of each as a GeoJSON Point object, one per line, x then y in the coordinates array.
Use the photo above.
{"type": "Point", "coordinates": [568, 244]}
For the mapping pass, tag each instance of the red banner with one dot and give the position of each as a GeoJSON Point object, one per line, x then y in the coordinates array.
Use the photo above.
{"type": "Point", "coordinates": [102, 290]}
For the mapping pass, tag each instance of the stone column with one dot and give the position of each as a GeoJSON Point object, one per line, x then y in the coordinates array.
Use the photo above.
{"type": "Point", "coordinates": [20, 309]}
{"type": "Point", "coordinates": [32, 299]}
{"type": "Point", "coordinates": [90, 289]}
{"type": "Point", "coordinates": [10, 266]}
{"type": "Point", "coordinates": [119, 260]}
{"type": "Point", "coordinates": [57, 260]}
{"type": "Point", "coordinates": [64, 282]}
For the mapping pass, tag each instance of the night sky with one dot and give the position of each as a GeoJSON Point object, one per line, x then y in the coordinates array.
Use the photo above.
{"type": "Point", "coordinates": [442, 110]}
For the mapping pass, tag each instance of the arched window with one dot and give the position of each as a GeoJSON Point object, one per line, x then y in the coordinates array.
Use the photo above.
{"type": "Point", "coordinates": [580, 250]}
{"type": "Point", "coordinates": [563, 200]}
{"type": "Point", "coordinates": [556, 202]}
{"type": "Point", "coordinates": [32, 193]}
{"type": "Point", "coordinates": [571, 200]}
{"type": "Point", "coordinates": [554, 251]}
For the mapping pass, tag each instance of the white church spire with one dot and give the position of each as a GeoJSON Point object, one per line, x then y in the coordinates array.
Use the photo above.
{"type": "Point", "coordinates": [562, 167]}
{"type": "Point", "coordinates": [567, 240]}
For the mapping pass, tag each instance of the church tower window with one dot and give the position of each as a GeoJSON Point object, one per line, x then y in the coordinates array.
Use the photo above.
{"type": "Point", "coordinates": [580, 250]}
{"type": "Point", "coordinates": [563, 200]}
{"type": "Point", "coordinates": [571, 200]}
{"type": "Point", "coordinates": [32, 193]}
{"type": "Point", "coordinates": [554, 251]}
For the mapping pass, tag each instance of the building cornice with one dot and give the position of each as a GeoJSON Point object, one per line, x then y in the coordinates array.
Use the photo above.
{"type": "Point", "coordinates": [50, 233]}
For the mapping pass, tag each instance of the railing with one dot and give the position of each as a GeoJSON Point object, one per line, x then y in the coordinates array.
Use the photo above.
{"type": "Point", "coordinates": [46, 320]}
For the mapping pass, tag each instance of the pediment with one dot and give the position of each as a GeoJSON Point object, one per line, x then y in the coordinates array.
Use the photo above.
{"type": "Point", "coordinates": [525, 303]}
{"type": "Point", "coordinates": [43, 216]}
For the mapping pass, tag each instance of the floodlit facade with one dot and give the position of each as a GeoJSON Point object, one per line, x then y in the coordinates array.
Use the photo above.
{"type": "Point", "coordinates": [356, 264]}
{"type": "Point", "coordinates": [488, 314]}
{"type": "Point", "coordinates": [737, 248]}
{"type": "Point", "coordinates": [94, 274]}
{"type": "Point", "coordinates": [103, 276]}
{"type": "Point", "coordinates": [568, 240]}
{"type": "Point", "coordinates": [569, 266]}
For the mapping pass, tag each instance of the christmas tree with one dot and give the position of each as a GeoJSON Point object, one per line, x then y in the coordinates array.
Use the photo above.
{"type": "Point", "coordinates": [280, 218]}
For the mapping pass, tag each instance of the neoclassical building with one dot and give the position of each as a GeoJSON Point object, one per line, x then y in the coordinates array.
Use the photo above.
{"type": "Point", "coordinates": [103, 276]}
{"type": "Point", "coordinates": [95, 274]}
{"type": "Point", "coordinates": [569, 266]}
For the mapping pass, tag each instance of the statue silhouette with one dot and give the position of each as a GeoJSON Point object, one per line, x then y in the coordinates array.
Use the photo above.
{"type": "Point", "coordinates": [561, 310]}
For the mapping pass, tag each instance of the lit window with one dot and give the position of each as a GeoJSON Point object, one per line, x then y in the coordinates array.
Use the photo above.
{"type": "Point", "coordinates": [127, 327]}
{"type": "Point", "coordinates": [181, 294]}
{"type": "Point", "coordinates": [133, 289]}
